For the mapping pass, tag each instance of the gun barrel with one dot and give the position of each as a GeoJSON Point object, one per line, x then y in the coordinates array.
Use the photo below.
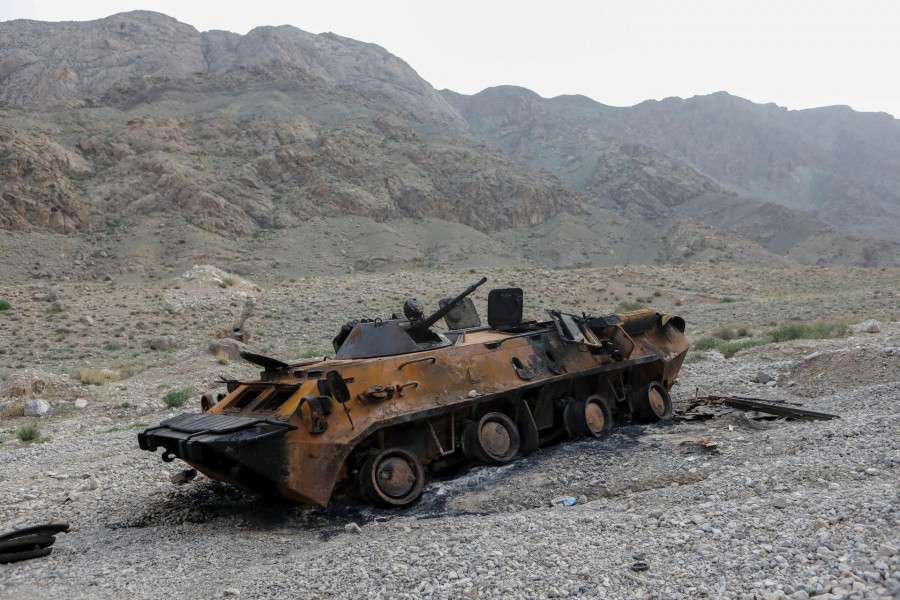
{"type": "Point", "coordinates": [442, 312]}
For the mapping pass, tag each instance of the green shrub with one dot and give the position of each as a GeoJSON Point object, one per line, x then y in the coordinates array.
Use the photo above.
{"type": "Point", "coordinates": [4, 305]}
{"type": "Point", "coordinates": [29, 433]}
{"type": "Point", "coordinates": [177, 398]}
{"type": "Point", "coordinates": [731, 332]}
{"type": "Point", "coordinates": [721, 340]}
{"type": "Point", "coordinates": [808, 331]}
{"type": "Point", "coordinates": [727, 348]}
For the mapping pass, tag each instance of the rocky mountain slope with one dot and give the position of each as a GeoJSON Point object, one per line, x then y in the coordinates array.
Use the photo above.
{"type": "Point", "coordinates": [153, 146]}
{"type": "Point", "coordinates": [833, 164]}
{"type": "Point", "coordinates": [239, 133]}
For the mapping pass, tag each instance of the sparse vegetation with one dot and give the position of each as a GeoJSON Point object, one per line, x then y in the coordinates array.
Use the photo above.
{"type": "Point", "coordinates": [91, 376]}
{"type": "Point", "coordinates": [313, 353]}
{"type": "Point", "coordinates": [723, 336]}
{"type": "Point", "coordinates": [5, 305]}
{"type": "Point", "coordinates": [731, 332]}
{"type": "Point", "coordinates": [177, 398]}
{"type": "Point", "coordinates": [29, 433]}
{"type": "Point", "coordinates": [808, 331]}
{"type": "Point", "coordinates": [222, 357]}
{"type": "Point", "coordinates": [628, 305]}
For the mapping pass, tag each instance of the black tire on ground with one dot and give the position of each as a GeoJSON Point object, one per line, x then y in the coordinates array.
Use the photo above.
{"type": "Point", "coordinates": [492, 440]}
{"type": "Point", "coordinates": [589, 417]}
{"type": "Point", "coordinates": [393, 477]}
{"type": "Point", "coordinates": [650, 403]}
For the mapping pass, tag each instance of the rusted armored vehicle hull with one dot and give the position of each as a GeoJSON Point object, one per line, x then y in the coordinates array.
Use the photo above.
{"type": "Point", "coordinates": [378, 421]}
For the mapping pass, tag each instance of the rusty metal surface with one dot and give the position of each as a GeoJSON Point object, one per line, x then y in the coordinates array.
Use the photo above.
{"type": "Point", "coordinates": [427, 400]}
{"type": "Point", "coordinates": [710, 406]}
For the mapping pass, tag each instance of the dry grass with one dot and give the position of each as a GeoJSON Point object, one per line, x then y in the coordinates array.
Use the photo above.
{"type": "Point", "coordinates": [222, 357]}
{"type": "Point", "coordinates": [96, 376]}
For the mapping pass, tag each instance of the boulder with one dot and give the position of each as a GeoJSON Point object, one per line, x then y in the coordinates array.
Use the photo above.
{"type": "Point", "coordinates": [36, 408]}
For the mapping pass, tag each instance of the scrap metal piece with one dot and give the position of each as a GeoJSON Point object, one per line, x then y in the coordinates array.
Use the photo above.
{"type": "Point", "coordinates": [707, 407]}
{"type": "Point", "coordinates": [29, 542]}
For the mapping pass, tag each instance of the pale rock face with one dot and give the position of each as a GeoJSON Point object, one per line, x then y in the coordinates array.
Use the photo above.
{"type": "Point", "coordinates": [44, 65]}
{"type": "Point", "coordinates": [49, 64]}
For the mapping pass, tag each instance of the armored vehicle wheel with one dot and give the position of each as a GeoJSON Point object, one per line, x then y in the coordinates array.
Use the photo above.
{"type": "Point", "coordinates": [393, 477]}
{"type": "Point", "coordinates": [650, 404]}
{"type": "Point", "coordinates": [588, 417]}
{"type": "Point", "coordinates": [494, 439]}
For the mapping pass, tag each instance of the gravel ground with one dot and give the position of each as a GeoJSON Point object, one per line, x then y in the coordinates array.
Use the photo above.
{"type": "Point", "coordinates": [778, 509]}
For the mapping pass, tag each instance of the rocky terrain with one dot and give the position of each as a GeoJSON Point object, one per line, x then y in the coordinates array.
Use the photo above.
{"type": "Point", "coordinates": [776, 509]}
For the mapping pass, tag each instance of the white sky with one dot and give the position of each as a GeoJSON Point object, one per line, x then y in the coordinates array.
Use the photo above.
{"type": "Point", "coordinates": [796, 53]}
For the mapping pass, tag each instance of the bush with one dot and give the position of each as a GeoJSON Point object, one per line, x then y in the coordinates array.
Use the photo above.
{"type": "Point", "coordinates": [726, 348]}
{"type": "Point", "coordinates": [808, 331]}
{"type": "Point", "coordinates": [177, 398]}
{"type": "Point", "coordinates": [4, 305]}
{"type": "Point", "coordinates": [96, 376]}
{"type": "Point", "coordinates": [731, 332]}
{"type": "Point", "coordinates": [721, 339]}
{"type": "Point", "coordinates": [628, 306]}
{"type": "Point", "coordinates": [222, 356]}
{"type": "Point", "coordinates": [29, 433]}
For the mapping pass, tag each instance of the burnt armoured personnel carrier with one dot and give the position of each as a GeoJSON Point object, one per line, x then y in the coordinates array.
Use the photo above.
{"type": "Point", "coordinates": [401, 397]}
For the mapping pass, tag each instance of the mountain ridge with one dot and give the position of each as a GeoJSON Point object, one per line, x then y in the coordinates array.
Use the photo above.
{"type": "Point", "coordinates": [137, 118]}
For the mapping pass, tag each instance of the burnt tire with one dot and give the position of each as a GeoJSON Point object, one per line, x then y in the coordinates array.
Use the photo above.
{"type": "Point", "coordinates": [393, 477]}
{"type": "Point", "coordinates": [650, 403]}
{"type": "Point", "coordinates": [590, 417]}
{"type": "Point", "coordinates": [492, 440]}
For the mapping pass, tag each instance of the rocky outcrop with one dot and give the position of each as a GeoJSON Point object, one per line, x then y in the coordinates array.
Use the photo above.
{"type": "Point", "coordinates": [47, 65]}
{"type": "Point", "coordinates": [36, 190]}
{"type": "Point", "coordinates": [638, 178]}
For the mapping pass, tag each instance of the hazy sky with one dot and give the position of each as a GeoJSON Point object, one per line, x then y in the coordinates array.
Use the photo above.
{"type": "Point", "coordinates": [796, 53]}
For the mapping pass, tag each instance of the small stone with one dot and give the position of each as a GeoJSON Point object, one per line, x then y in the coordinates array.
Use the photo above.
{"type": "Point", "coordinates": [89, 486]}
{"type": "Point", "coordinates": [86, 319]}
{"type": "Point", "coordinates": [715, 356]}
{"type": "Point", "coordinates": [762, 377]}
{"type": "Point", "coordinates": [352, 528]}
{"type": "Point", "coordinates": [871, 471]}
{"type": "Point", "coordinates": [57, 306]}
{"type": "Point", "coordinates": [582, 499]}
{"type": "Point", "coordinates": [36, 408]}
{"type": "Point", "coordinates": [231, 347]}
{"type": "Point", "coordinates": [871, 326]}
{"type": "Point", "coordinates": [174, 308]}
{"type": "Point", "coordinates": [473, 393]}
{"type": "Point", "coordinates": [780, 502]}
{"type": "Point", "coordinates": [107, 278]}
{"type": "Point", "coordinates": [887, 550]}
{"type": "Point", "coordinates": [164, 342]}
{"type": "Point", "coordinates": [81, 403]}
{"type": "Point", "coordinates": [231, 592]}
